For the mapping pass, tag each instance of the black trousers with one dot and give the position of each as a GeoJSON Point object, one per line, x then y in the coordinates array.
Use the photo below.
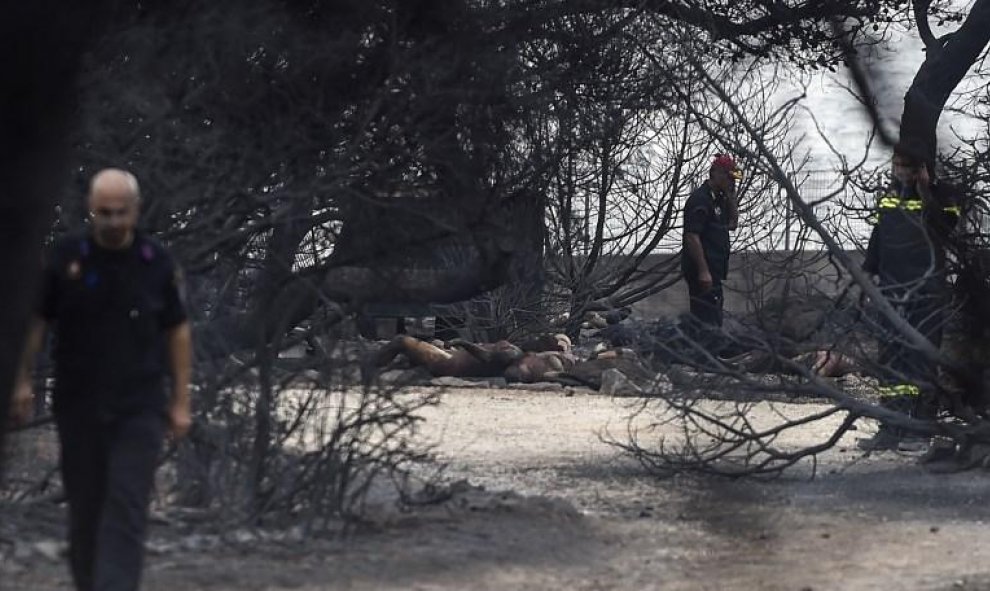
{"type": "Point", "coordinates": [706, 315]}
{"type": "Point", "coordinates": [908, 379]}
{"type": "Point", "coordinates": [108, 467]}
{"type": "Point", "coordinates": [706, 305]}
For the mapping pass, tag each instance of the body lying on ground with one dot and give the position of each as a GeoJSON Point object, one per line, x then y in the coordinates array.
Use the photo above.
{"type": "Point", "coordinates": [455, 360]}
{"type": "Point", "coordinates": [461, 358]}
{"type": "Point", "coordinates": [464, 359]}
{"type": "Point", "coordinates": [822, 362]}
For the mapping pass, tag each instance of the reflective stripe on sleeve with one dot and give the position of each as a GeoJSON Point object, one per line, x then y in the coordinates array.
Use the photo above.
{"type": "Point", "coordinates": [893, 390]}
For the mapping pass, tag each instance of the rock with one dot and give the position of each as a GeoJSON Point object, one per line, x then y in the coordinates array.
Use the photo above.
{"type": "Point", "coordinates": [158, 547]}
{"type": "Point", "coordinates": [345, 375]}
{"type": "Point", "coordinates": [979, 455]}
{"type": "Point", "coordinates": [615, 383]}
{"type": "Point", "coordinates": [537, 386]}
{"type": "Point", "coordinates": [52, 550]}
{"type": "Point", "coordinates": [9, 567]}
{"type": "Point", "coordinates": [22, 551]}
{"type": "Point", "coordinates": [401, 377]}
{"type": "Point", "coordinates": [682, 376]}
{"type": "Point", "coordinates": [662, 385]}
{"type": "Point", "coordinates": [594, 320]}
{"type": "Point", "coordinates": [158, 518]}
{"type": "Point", "coordinates": [312, 375]}
{"type": "Point", "coordinates": [580, 391]}
{"type": "Point", "coordinates": [795, 318]}
{"type": "Point", "coordinates": [242, 536]}
{"type": "Point", "coordinates": [295, 534]}
{"type": "Point", "coordinates": [449, 382]}
{"type": "Point", "coordinates": [198, 543]}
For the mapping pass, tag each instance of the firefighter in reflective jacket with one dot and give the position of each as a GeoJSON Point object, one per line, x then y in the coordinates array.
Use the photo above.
{"type": "Point", "coordinates": [906, 253]}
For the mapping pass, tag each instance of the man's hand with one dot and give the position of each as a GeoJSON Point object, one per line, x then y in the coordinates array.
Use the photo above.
{"type": "Point", "coordinates": [22, 403]}
{"type": "Point", "coordinates": [732, 205]}
{"type": "Point", "coordinates": [180, 363]}
{"type": "Point", "coordinates": [179, 419]}
{"type": "Point", "coordinates": [705, 280]}
{"type": "Point", "coordinates": [923, 182]}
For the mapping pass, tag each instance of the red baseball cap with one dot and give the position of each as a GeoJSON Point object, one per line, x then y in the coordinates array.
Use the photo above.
{"type": "Point", "coordinates": [726, 162]}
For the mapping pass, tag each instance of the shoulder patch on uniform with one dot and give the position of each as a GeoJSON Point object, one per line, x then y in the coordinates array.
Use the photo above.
{"type": "Point", "coordinates": [147, 252]}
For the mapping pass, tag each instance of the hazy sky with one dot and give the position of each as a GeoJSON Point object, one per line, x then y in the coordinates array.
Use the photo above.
{"type": "Point", "coordinates": [841, 117]}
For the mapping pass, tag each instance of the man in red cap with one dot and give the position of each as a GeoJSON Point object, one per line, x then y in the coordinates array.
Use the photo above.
{"type": "Point", "coordinates": [710, 213]}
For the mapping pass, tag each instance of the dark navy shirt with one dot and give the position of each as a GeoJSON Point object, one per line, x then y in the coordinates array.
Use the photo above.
{"type": "Point", "coordinates": [906, 246]}
{"type": "Point", "coordinates": [705, 214]}
{"type": "Point", "coordinates": [110, 311]}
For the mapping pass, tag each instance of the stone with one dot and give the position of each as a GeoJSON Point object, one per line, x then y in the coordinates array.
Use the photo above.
{"type": "Point", "coordinates": [295, 534]}
{"type": "Point", "coordinates": [9, 567]}
{"type": "Point", "coordinates": [451, 382]}
{"type": "Point", "coordinates": [242, 536]}
{"type": "Point", "coordinates": [22, 551]}
{"type": "Point", "coordinates": [537, 386]}
{"type": "Point", "coordinates": [401, 377]}
{"type": "Point", "coordinates": [158, 547]}
{"type": "Point", "coordinates": [661, 385]}
{"type": "Point", "coordinates": [615, 383]}
{"type": "Point", "coordinates": [51, 549]}
{"type": "Point", "coordinates": [198, 543]}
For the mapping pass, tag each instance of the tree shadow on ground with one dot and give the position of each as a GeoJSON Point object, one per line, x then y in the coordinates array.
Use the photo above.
{"type": "Point", "coordinates": [894, 487]}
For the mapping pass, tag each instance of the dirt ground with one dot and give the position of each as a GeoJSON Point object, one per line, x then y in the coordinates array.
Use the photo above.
{"type": "Point", "coordinates": [560, 510]}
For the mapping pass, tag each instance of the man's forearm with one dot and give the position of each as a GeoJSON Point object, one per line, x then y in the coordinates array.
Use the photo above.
{"type": "Point", "coordinates": [477, 352]}
{"type": "Point", "coordinates": [732, 208]}
{"type": "Point", "coordinates": [692, 242]}
{"type": "Point", "coordinates": [180, 362]}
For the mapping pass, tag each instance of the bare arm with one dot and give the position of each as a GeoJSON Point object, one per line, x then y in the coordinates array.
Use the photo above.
{"type": "Point", "coordinates": [692, 242]}
{"type": "Point", "coordinates": [732, 207]}
{"type": "Point", "coordinates": [480, 353]}
{"type": "Point", "coordinates": [23, 400]}
{"type": "Point", "coordinates": [923, 183]}
{"type": "Point", "coordinates": [180, 365]}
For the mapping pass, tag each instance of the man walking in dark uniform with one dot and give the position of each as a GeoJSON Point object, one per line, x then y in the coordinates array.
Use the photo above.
{"type": "Point", "coordinates": [906, 251]}
{"type": "Point", "coordinates": [113, 297]}
{"type": "Point", "coordinates": [710, 213]}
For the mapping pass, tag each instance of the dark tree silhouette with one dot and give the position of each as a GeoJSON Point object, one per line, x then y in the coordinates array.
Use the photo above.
{"type": "Point", "coordinates": [40, 48]}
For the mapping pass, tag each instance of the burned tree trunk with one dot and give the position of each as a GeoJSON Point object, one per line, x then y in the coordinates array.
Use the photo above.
{"type": "Point", "coordinates": [40, 45]}
{"type": "Point", "coordinates": [948, 60]}
{"type": "Point", "coordinates": [527, 273]}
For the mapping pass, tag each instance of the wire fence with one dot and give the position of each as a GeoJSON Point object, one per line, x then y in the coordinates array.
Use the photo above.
{"type": "Point", "coordinates": [841, 207]}
{"type": "Point", "coordinates": [769, 222]}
